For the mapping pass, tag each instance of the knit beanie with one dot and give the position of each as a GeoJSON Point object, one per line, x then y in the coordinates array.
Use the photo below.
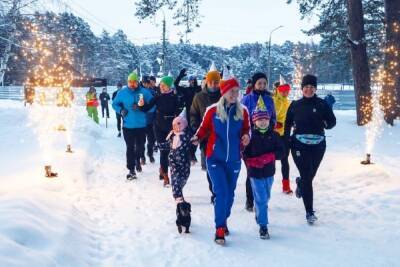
{"type": "Point", "coordinates": [167, 80]}
{"type": "Point", "coordinates": [283, 88]}
{"type": "Point", "coordinates": [309, 80]}
{"type": "Point", "coordinates": [133, 77]}
{"type": "Point", "coordinates": [257, 76]}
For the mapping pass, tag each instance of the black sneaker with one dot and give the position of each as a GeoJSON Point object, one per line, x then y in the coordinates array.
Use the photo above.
{"type": "Point", "coordinates": [131, 176]}
{"type": "Point", "coordinates": [249, 206]}
{"type": "Point", "coordinates": [311, 218]}
{"type": "Point", "coordinates": [298, 190]}
{"type": "Point", "coordinates": [264, 232]}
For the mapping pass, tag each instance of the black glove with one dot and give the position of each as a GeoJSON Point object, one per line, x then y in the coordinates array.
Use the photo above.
{"type": "Point", "coordinates": [182, 73]}
{"type": "Point", "coordinates": [124, 112]}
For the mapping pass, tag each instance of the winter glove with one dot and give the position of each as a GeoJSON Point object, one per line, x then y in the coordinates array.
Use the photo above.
{"type": "Point", "coordinates": [182, 73]}
{"type": "Point", "coordinates": [124, 112]}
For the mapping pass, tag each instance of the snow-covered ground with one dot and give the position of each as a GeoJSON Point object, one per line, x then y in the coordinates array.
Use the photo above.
{"type": "Point", "coordinates": [90, 216]}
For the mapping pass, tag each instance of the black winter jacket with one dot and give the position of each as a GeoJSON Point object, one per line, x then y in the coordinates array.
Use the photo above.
{"type": "Point", "coordinates": [260, 144]}
{"type": "Point", "coordinates": [308, 116]}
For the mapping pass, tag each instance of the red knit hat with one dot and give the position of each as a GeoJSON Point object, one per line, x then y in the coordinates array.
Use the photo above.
{"type": "Point", "coordinates": [227, 85]}
{"type": "Point", "coordinates": [283, 88]}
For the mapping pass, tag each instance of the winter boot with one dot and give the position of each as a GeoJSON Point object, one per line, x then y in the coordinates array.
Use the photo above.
{"type": "Point", "coordinates": [220, 236]}
{"type": "Point", "coordinates": [249, 206]}
{"type": "Point", "coordinates": [226, 231]}
{"type": "Point", "coordinates": [152, 160]}
{"type": "Point", "coordinates": [311, 218]}
{"type": "Point", "coordinates": [138, 166]}
{"type": "Point", "coordinates": [131, 176]}
{"type": "Point", "coordinates": [286, 187]}
{"type": "Point", "coordinates": [298, 188]}
{"type": "Point", "coordinates": [161, 175]}
{"type": "Point", "coordinates": [119, 134]}
{"type": "Point", "coordinates": [264, 232]}
{"type": "Point", "coordinates": [166, 180]}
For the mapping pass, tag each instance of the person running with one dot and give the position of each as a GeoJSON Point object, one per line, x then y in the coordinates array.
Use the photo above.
{"type": "Point", "coordinates": [282, 103]}
{"type": "Point", "coordinates": [91, 104]}
{"type": "Point", "coordinates": [104, 98]}
{"type": "Point", "coordinates": [126, 103]}
{"type": "Point", "coordinates": [150, 116]}
{"type": "Point", "coordinates": [179, 156]}
{"type": "Point", "coordinates": [226, 126]}
{"type": "Point", "coordinates": [308, 117]}
{"type": "Point", "coordinates": [259, 84]}
{"type": "Point", "coordinates": [209, 95]}
{"type": "Point", "coordinates": [167, 108]}
{"type": "Point", "coordinates": [265, 147]}
{"type": "Point", "coordinates": [118, 116]}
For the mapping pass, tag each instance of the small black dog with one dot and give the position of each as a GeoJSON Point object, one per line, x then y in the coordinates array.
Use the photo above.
{"type": "Point", "coordinates": [183, 218]}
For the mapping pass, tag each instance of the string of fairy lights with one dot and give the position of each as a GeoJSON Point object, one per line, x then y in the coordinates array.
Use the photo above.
{"type": "Point", "coordinates": [50, 55]}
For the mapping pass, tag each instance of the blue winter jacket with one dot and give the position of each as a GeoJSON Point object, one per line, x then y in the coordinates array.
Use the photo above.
{"type": "Point", "coordinates": [250, 101]}
{"type": "Point", "coordinates": [128, 99]}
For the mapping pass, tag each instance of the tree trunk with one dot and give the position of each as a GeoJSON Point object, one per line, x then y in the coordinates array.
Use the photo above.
{"type": "Point", "coordinates": [391, 89]}
{"type": "Point", "coordinates": [359, 58]}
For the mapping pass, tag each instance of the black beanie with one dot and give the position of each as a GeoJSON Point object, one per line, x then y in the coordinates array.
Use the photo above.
{"type": "Point", "coordinates": [257, 76]}
{"type": "Point", "coordinates": [309, 80]}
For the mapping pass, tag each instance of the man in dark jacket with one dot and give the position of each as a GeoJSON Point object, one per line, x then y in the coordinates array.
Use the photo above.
{"type": "Point", "coordinates": [209, 95]}
{"type": "Point", "coordinates": [119, 117]}
{"type": "Point", "coordinates": [104, 98]}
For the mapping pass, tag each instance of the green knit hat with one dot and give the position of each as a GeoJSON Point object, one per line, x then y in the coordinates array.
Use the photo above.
{"type": "Point", "coordinates": [133, 77]}
{"type": "Point", "coordinates": [167, 80]}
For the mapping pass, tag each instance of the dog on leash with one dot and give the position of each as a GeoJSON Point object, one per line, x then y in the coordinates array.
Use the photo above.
{"type": "Point", "coordinates": [183, 217]}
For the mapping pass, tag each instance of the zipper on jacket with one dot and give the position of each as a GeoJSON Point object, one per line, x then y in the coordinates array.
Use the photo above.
{"type": "Point", "coordinates": [227, 134]}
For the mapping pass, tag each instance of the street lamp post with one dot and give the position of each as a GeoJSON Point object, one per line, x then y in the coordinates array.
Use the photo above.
{"type": "Point", "coordinates": [269, 56]}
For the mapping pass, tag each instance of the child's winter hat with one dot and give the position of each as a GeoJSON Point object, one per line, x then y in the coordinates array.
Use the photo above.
{"type": "Point", "coordinates": [228, 82]}
{"type": "Point", "coordinates": [167, 80]}
{"type": "Point", "coordinates": [213, 74]}
{"type": "Point", "coordinates": [133, 76]}
{"type": "Point", "coordinates": [257, 76]}
{"type": "Point", "coordinates": [309, 80]}
{"type": "Point", "coordinates": [180, 120]}
{"type": "Point", "coordinates": [261, 111]}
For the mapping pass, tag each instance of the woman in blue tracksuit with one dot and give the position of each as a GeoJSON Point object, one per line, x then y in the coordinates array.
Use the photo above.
{"type": "Point", "coordinates": [134, 122]}
{"type": "Point", "coordinates": [259, 84]}
{"type": "Point", "coordinates": [226, 126]}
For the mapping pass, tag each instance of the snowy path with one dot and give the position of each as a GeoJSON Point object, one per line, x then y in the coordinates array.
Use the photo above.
{"type": "Point", "coordinates": [90, 216]}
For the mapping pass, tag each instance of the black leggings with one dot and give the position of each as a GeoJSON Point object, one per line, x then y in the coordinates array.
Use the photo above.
{"type": "Point", "coordinates": [285, 162]}
{"type": "Point", "coordinates": [307, 162]}
{"type": "Point", "coordinates": [164, 147]}
{"type": "Point", "coordinates": [134, 139]}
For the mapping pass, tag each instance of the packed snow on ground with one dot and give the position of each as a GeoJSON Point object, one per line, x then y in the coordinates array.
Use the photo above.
{"type": "Point", "coordinates": [91, 216]}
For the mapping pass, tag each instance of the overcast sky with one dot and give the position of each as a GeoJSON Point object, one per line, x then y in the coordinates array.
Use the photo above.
{"type": "Point", "coordinates": [225, 22]}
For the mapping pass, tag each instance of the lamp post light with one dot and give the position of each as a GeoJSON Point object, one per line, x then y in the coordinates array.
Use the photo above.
{"type": "Point", "coordinates": [269, 56]}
